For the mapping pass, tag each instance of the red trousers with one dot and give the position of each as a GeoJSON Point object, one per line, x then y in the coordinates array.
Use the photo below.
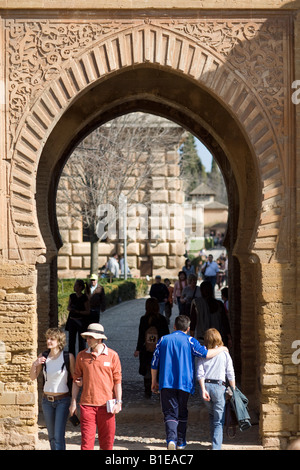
{"type": "Point", "coordinates": [92, 417]}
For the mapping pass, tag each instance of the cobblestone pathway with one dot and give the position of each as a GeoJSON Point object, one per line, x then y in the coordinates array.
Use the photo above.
{"type": "Point", "coordinates": [140, 424]}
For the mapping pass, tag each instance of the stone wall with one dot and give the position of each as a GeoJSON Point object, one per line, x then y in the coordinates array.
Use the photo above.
{"type": "Point", "coordinates": [164, 246]}
{"type": "Point", "coordinates": [232, 88]}
{"type": "Point", "coordinates": [18, 325]}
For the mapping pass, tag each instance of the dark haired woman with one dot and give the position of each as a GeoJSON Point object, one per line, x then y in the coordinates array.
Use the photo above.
{"type": "Point", "coordinates": [152, 326]}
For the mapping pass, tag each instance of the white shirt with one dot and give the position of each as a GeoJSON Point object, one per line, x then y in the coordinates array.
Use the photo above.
{"type": "Point", "coordinates": [113, 267]}
{"type": "Point", "coordinates": [216, 368]}
{"type": "Point", "coordinates": [93, 288]}
{"type": "Point", "coordinates": [56, 378]}
{"type": "Point", "coordinates": [211, 269]}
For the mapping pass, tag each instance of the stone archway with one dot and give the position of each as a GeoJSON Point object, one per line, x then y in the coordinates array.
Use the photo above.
{"type": "Point", "coordinates": [109, 67]}
{"type": "Point", "coordinates": [176, 47]}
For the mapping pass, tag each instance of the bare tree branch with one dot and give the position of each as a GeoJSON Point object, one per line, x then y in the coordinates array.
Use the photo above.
{"type": "Point", "coordinates": [120, 157]}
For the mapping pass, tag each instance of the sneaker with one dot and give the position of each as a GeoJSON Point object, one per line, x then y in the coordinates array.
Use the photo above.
{"type": "Point", "coordinates": [171, 445]}
{"type": "Point", "coordinates": [181, 447]}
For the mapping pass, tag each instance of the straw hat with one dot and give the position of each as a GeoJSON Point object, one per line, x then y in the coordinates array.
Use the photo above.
{"type": "Point", "coordinates": [95, 330]}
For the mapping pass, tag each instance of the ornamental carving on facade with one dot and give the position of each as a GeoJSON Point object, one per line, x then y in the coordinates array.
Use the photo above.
{"type": "Point", "coordinates": [243, 62]}
{"type": "Point", "coordinates": [38, 50]}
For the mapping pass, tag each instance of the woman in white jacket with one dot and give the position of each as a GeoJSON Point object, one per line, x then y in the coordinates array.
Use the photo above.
{"type": "Point", "coordinates": [212, 374]}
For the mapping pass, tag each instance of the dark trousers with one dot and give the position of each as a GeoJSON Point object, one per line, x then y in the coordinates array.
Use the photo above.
{"type": "Point", "coordinates": [168, 311]}
{"type": "Point", "coordinates": [94, 316]}
{"type": "Point", "coordinates": [76, 327]}
{"type": "Point", "coordinates": [174, 408]}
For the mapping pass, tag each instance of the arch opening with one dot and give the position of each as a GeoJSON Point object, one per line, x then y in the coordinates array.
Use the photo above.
{"type": "Point", "coordinates": [188, 105]}
{"type": "Point", "coordinates": [218, 93]}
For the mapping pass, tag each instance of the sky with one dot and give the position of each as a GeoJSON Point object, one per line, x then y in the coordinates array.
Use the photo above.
{"type": "Point", "coordinates": [204, 154]}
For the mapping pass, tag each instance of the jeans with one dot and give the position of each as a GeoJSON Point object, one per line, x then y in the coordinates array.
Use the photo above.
{"type": "Point", "coordinates": [162, 307]}
{"type": "Point", "coordinates": [56, 414]}
{"type": "Point", "coordinates": [180, 306]}
{"type": "Point", "coordinates": [216, 410]}
{"type": "Point", "coordinates": [174, 407]}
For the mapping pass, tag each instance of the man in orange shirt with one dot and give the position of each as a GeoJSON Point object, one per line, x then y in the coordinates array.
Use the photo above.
{"type": "Point", "coordinates": [98, 369]}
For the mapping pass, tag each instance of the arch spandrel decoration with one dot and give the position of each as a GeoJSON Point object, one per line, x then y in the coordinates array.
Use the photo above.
{"type": "Point", "coordinates": [51, 62]}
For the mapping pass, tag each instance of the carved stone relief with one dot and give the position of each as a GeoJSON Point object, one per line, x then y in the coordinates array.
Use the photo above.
{"type": "Point", "coordinates": [245, 62]}
{"type": "Point", "coordinates": [38, 50]}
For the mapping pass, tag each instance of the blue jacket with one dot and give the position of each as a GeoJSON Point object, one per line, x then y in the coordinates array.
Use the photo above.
{"type": "Point", "coordinates": [174, 357]}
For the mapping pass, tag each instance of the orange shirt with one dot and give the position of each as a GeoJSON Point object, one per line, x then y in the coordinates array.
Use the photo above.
{"type": "Point", "coordinates": [99, 376]}
{"type": "Point", "coordinates": [171, 290]}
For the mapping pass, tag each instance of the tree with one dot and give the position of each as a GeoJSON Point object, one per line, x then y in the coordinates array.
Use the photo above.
{"type": "Point", "coordinates": [192, 170]}
{"type": "Point", "coordinates": [216, 182]}
{"type": "Point", "coordinates": [118, 158]}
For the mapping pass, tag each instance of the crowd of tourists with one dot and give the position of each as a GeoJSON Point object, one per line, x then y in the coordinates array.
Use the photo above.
{"type": "Point", "coordinates": [199, 342]}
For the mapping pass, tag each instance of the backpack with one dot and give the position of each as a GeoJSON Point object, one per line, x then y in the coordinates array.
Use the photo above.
{"type": "Point", "coordinates": [151, 338]}
{"type": "Point", "coordinates": [66, 364]}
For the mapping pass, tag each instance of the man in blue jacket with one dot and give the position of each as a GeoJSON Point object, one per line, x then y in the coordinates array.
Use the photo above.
{"type": "Point", "coordinates": [174, 358]}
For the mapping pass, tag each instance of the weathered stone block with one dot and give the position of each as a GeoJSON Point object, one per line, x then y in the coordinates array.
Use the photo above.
{"type": "Point", "coordinates": [75, 236]}
{"type": "Point", "coordinates": [8, 398]}
{"type": "Point", "coordinates": [75, 262]}
{"type": "Point", "coordinates": [25, 398]}
{"type": "Point", "coordinates": [160, 249]}
{"type": "Point", "coordinates": [63, 262]}
{"type": "Point", "coordinates": [159, 262]}
{"type": "Point", "coordinates": [81, 249]}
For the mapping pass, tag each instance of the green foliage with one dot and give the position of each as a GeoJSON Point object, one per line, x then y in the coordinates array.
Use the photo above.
{"type": "Point", "coordinates": [216, 182]}
{"type": "Point", "coordinates": [115, 292]}
{"type": "Point", "coordinates": [191, 168]}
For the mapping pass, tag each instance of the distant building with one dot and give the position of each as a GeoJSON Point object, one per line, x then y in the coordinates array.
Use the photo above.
{"type": "Point", "coordinates": [215, 213]}
{"type": "Point", "coordinates": [162, 252]}
{"type": "Point", "coordinates": [211, 217]}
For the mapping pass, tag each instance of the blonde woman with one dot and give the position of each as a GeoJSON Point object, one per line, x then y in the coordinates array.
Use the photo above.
{"type": "Point", "coordinates": [212, 374]}
{"type": "Point", "coordinates": [57, 367]}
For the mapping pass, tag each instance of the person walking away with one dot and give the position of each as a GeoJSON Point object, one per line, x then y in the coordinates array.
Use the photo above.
{"type": "Point", "coordinates": [190, 292]}
{"type": "Point", "coordinates": [212, 374]}
{"type": "Point", "coordinates": [210, 270]}
{"type": "Point", "coordinates": [79, 309]}
{"type": "Point", "coordinates": [113, 267]}
{"type": "Point", "coordinates": [188, 268]}
{"type": "Point", "coordinates": [56, 391]}
{"type": "Point", "coordinates": [152, 327]}
{"type": "Point", "coordinates": [224, 296]}
{"type": "Point", "coordinates": [178, 288]}
{"type": "Point", "coordinates": [208, 312]}
{"type": "Point", "coordinates": [122, 268]}
{"type": "Point", "coordinates": [160, 292]}
{"type": "Point", "coordinates": [174, 358]}
{"type": "Point", "coordinates": [96, 299]}
{"type": "Point", "coordinates": [99, 368]}
{"type": "Point", "coordinates": [169, 303]}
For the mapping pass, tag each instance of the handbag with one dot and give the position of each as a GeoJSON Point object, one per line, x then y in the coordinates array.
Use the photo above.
{"type": "Point", "coordinates": [204, 269]}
